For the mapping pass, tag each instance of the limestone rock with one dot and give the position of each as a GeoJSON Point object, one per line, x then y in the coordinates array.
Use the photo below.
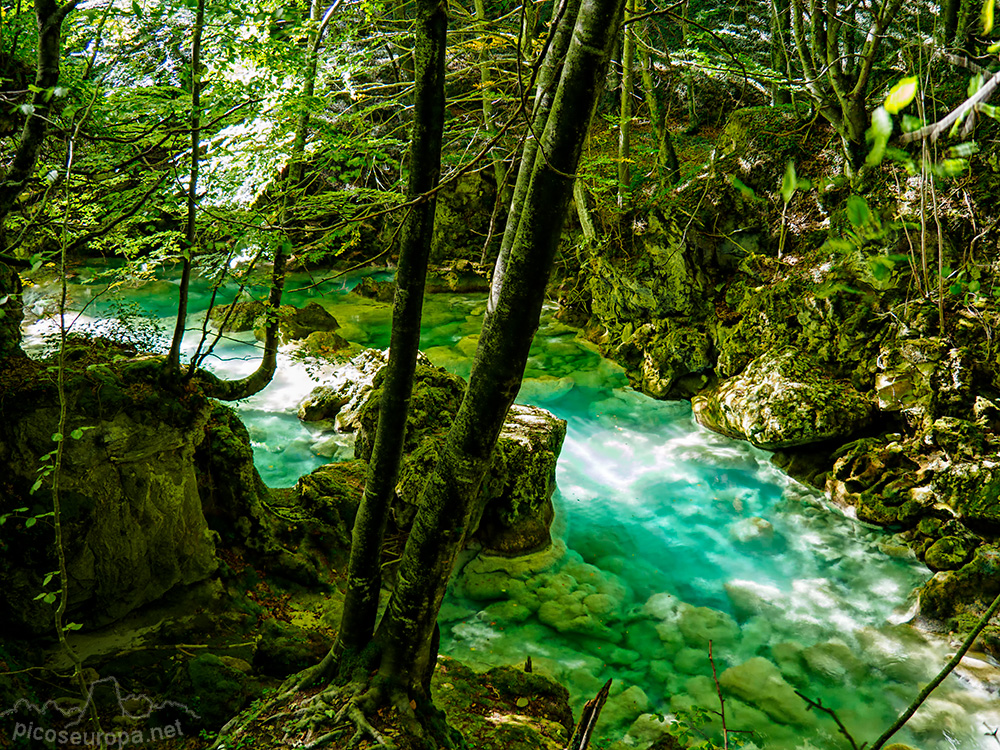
{"type": "Point", "coordinates": [948, 553]}
{"type": "Point", "coordinates": [759, 683]}
{"type": "Point", "coordinates": [517, 491]}
{"type": "Point", "coordinates": [782, 399]}
{"type": "Point", "coordinates": [132, 495]}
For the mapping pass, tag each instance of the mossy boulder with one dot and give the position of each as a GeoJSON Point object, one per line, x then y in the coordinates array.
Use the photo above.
{"type": "Point", "coordinates": [297, 323]}
{"type": "Point", "coordinates": [759, 141]}
{"type": "Point", "coordinates": [462, 215]}
{"type": "Point", "coordinates": [132, 492]}
{"type": "Point", "coordinates": [782, 399]}
{"type": "Point", "coordinates": [219, 689]}
{"type": "Point", "coordinates": [332, 494]}
{"type": "Point", "coordinates": [948, 553]}
{"type": "Point", "coordinates": [965, 591]}
{"type": "Point", "coordinates": [504, 708]}
{"type": "Point", "coordinates": [380, 291]}
{"type": "Point", "coordinates": [284, 649]}
{"type": "Point", "coordinates": [238, 316]}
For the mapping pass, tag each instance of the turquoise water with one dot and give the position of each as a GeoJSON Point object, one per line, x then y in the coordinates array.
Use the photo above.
{"type": "Point", "coordinates": [668, 537]}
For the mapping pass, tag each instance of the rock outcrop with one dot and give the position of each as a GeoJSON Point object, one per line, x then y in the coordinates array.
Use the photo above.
{"type": "Point", "coordinates": [130, 493]}
{"type": "Point", "coordinates": [296, 323]}
{"type": "Point", "coordinates": [782, 399]}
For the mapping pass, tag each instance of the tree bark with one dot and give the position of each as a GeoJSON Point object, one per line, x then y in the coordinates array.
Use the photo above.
{"type": "Point", "coordinates": [49, 16]}
{"type": "Point", "coordinates": [548, 77]}
{"type": "Point", "coordinates": [448, 507]}
{"type": "Point", "coordinates": [364, 579]}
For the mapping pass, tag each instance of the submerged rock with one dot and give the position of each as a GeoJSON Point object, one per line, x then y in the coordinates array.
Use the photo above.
{"type": "Point", "coordinates": [782, 399]}
{"type": "Point", "coordinates": [759, 683]}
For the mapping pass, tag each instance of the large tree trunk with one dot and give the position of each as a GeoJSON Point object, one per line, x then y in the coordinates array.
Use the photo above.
{"type": "Point", "coordinates": [364, 582]}
{"type": "Point", "coordinates": [448, 506]}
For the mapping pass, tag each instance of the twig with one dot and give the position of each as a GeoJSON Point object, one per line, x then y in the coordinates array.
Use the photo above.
{"type": "Point", "coordinates": [930, 686]}
{"type": "Point", "coordinates": [833, 715]}
{"type": "Point", "coordinates": [722, 703]}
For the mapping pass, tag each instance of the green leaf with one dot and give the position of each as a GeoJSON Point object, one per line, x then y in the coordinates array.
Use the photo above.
{"type": "Point", "coordinates": [858, 212]}
{"type": "Point", "coordinates": [975, 83]}
{"type": "Point", "coordinates": [788, 182]}
{"type": "Point", "coordinates": [995, 47]}
{"type": "Point", "coordinates": [76, 434]}
{"type": "Point", "coordinates": [72, 626]}
{"type": "Point", "coordinates": [974, 286]}
{"type": "Point", "coordinates": [49, 598]}
{"type": "Point", "coordinates": [901, 95]}
{"type": "Point", "coordinates": [955, 290]}
{"type": "Point", "coordinates": [964, 149]}
{"type": "Point", "coordinates": [136, 9]}
{"type": "Point", "coordinates": [745, 190]}
{"type": "Point", "coordinates": [878, 134]}
{"type": "Point", "coordinates": [911, 123]}
{"type": "Point", "coordinates": [30, 522]}
{"type": "Point", "coordinates": [56, 437]}
{"type": "Point", "coordinates": [952, 167]}
{"type": "Point", "coordinates": [987, 16]}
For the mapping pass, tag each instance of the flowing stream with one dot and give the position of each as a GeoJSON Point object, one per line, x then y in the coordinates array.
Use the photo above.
{"type": "Point", "coordinates": [669, 537]}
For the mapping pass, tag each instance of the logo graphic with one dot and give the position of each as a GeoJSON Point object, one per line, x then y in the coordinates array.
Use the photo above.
{"type": "Point", "coordinates": [61, 724]}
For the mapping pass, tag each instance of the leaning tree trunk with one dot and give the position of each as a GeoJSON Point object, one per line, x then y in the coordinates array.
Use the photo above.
{"type": "Point", "coordinates": [364, 579]}
{"type": "Point", "coordinates": [448, 506]}
{"type": "Point", "coordinates": [232, 390]}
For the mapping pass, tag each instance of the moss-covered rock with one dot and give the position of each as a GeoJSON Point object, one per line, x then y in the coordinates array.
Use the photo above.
{"type": "Point", "coordinates": [782, 399]}
{"type": "Point", "coordinates": [380, 291]}
{"type": "Point", "coordinates": [238, 316]}
{"type": "Point", "coordinates": [133, 492]}
{"type": "Point", "coordinates": [332, 494]}
{"type": "Point", "coordinates": [284, 648]}
{"type": "Point", "coordinates": [948, 553]}
{"type": "Point", "coordinates": [504, 708]}
{"type": "Point", "coordinates": [297, 323]}
{"type": "Point", "coordinates": [219, 689]}
{"type": "Point", "coordinates": [965, 591]}
{"type": "Point", "coordinates": [516, 493]}
{"type": "Point", "coordinates": [759, 683]}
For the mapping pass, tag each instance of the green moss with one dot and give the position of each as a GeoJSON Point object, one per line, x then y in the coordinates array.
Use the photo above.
{"type": "Point", "coordinates": [948, 553]}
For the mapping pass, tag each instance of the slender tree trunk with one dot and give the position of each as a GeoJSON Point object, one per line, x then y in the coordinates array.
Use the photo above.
{"type": "Point", "coordinates": [667, 167]}
{"type": "Point", "coordinates": [173, 363]}
{"type": "Point", "coordinates": [499, 173]}
{"type": "Point", "coordinates": [448, 505]}
{"type": "Point", "coordinates": [779, 51]}
{"type": "Point", "coordinates": [625, 110]}
{"type": "Point", "coordinates": [364, 579]}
